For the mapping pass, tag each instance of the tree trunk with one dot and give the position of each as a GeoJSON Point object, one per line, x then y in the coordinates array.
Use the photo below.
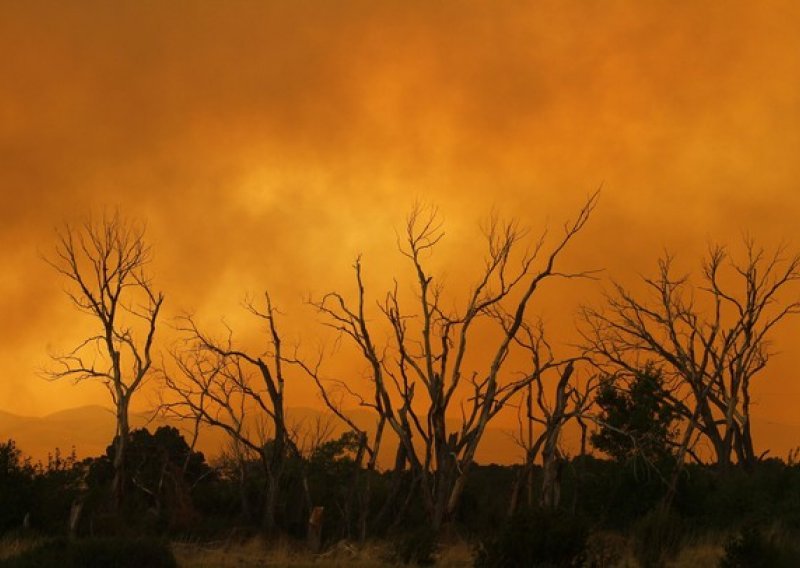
{"type": "Point", "coordinates": [273, 465]}
{"type": "Point", "coordinates": [314, 535]}
{"type": "Point", "coordinates": [551, 470]}
{"type": "Point", "coordinates": [120, 450]}
{"type": "Point", "coordinates": [516, 489]}
{"type": "Point", "coordinates": [398, 476]}
{"type": "Point", "coordinates": [551, 483]}
{"type": "Point", "coordinates": [269, 519]}
{"type": "Point", "coordinates": [75, 516]}
{"type": "Point", "coordinates": [366, 498]}
{"type": "Point", "coordinates": [456, 492]}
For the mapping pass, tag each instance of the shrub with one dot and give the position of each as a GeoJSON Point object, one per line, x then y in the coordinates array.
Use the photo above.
{"type": "Point", "coordinates": [536, 538]}
{"type": "Point", "coordinates": [418, 547]}
{"type": "Point", "coordinates": [96, 553]}
{"type": "Point", "coordinates": [605, 549]}
{"type": "Point", "coordinates": [16, 486]}
{"type": "Point", "coordinates": [751, 548]}
{"type": "Point", "coordinates": [657, 537]}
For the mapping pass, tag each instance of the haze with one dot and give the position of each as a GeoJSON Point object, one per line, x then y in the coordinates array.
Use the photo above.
{"type": "Point", "coordinates": [267, 144]}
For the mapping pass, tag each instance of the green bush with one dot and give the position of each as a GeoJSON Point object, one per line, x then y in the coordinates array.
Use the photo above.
{"type": "Point", "coordinates": [96, 553]}
{"type": "Point", "coordinates": [536, 539]}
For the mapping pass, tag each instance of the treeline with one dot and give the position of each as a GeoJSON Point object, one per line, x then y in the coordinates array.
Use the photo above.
{"type": "Point", "coordinates": [660, 380]}
{"type": "Point", "coordinates": [609, 508]}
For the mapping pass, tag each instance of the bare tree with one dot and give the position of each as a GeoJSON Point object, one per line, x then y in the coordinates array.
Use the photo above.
{"type": "Point", "coordinates": [428, 350]}
{"type": "Point", "coordinates": [104, 263]}
{"type": "Point", "coordinates": [242, 393]}
{"type": "Point", "coordinates": [710, 338]}
{"type": "Point", "coordinates": [547, 406]}
{"type": "Point", "coordinates": [334, 393]}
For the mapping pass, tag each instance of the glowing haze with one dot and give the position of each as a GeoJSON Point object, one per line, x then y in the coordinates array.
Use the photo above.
{"type": "Point", "coordinates": [267, 144]}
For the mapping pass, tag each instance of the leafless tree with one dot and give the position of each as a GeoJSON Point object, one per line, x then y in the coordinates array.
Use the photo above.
{"type": "Point", "coordinates": [104, 263]}
{"type": "Point", "coordinates": [428, 350]}
{"type": "Point", "coordinates": [710, 337]}
{"type": "Point", "coordinates": [222, 385]}
{"type": "Point", "coordinates": [549, 402]}
{"type": "Point", "coordinates": [334, 393]}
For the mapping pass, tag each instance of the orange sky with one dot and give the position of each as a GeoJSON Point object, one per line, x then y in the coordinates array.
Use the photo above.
{"type": "Point", "coordinates": [268, 143]}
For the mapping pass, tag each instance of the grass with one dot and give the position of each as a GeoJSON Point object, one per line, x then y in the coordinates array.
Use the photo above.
{"type": "Point", "coordinates": [614, 549]}
{"type": "Point", "coordinates": [14, 544]}
{"type": "Point", "coordinates": [706, 550]}
{"type": "Point", "coordinates": [456, 553]}
{"type": "Point", "coordinates": [255, 552]}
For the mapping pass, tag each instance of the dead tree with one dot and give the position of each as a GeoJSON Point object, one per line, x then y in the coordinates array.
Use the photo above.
{"type": "Point", "coordinates": [333, 393]}
{"type": "Point", "coordinates": [427, 354]}
{"type": "Point", "coordinates": [549, 405]}
{"type": "Point", "coordinates": [104, 263]}
{"type": "Point", "coordinates": [228, 387]}
{"type": "Point", "coordinates": [710, 338]}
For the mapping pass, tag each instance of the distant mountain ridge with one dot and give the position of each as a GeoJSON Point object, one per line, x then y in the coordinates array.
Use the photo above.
{"type": "Point", "coordinates": [90, 429]}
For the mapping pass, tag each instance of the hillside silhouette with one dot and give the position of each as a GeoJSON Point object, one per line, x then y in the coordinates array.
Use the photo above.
{"type": "Point", "coordinates": [89, 429]}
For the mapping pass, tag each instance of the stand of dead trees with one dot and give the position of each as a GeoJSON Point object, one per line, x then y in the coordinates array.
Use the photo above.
{"type": "Point", "coordinates": [546, 407]}
{"type": "Point", "coordinates": [224, 386]}
{"type": "Point", "coordinates": [438, 371]}
{"type": "Point", "coordinates": [368, 450]}
{"type": "Point", "coordinates": [104, 263]}
{"type": "Point", "coordinates": [709, 337]}
{"type": "Point", "coordinates": [426, 356]}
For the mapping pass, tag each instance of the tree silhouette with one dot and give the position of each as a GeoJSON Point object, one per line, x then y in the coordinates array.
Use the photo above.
{"type": "Point", "coordinates": [551, 400]}
{"type": "Point", "coordinates": [636, 418]}
{"type": "Point", "coordinates": [241, 392]}
{"type": "Point", "coordinates": [104, 263]}
{"type": "Point", "coordinates": [421, 374]}
{"type": "Point", "coordinates": [710, 338]}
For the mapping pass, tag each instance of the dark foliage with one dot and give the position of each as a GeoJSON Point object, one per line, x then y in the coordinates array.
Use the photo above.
{"type": "Point", "coordinates": [331, 475]}
{"type": "Point", "coordinates": [636, 419]}
{"type": "Point", "coordinates": [614, 495]}
{"type": "Point", "coordinates": [16, 486]}
{"type": "Point", "coordinates": [484, 504]}
{"type": "Point", "coordinates": [538, 539]}
{"type": "Point", "coordinates": [57, 485]}
{"type": "Point", "coordinates": [752, 548]}
{"type": "Point", "coordinates": [96, 553]}
{"type": "Point", "coordinates": [657, 537]}
{"type": "Point", "coordinates": [173, 492]}
{"type": "Point", "coordinates": [163, 472]}
{"type": "Point", "coordinates": [417, 547]}
{"type": "Point", "coordinates": [766, 493]}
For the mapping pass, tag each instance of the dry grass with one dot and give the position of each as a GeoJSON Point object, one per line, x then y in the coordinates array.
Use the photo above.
{"type": "Point", "coordinates": [614, 550]}
{"type": "Point", "coordinates": [13, 545]}
{"type": "Point", "coordinates": [707, 550]}
{"type": "Point", "coordinates": [255, 552]}
{"type": "Point", "coordinates": [252, 552]}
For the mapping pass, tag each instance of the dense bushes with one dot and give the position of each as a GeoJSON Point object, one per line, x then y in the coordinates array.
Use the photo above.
{"type": "Point", "coordinates": [753, 548]}
{"type": "Point", "coordinates": [16, 486]}
{"type": "Point", "coordinates": [767, 492]}
{"type": "Point", "coordinates": [39, 495]}
{"type": "Point", "coordinates": [173, 492]}
{"type": "Point", "coordinates": [657, 536]}
{"type": "Point", "coordinates": [536, 538]}
{"type": "Point", "coordinates": [95, 553]}
{"type": "Point", "coordinates": [417, 547]}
